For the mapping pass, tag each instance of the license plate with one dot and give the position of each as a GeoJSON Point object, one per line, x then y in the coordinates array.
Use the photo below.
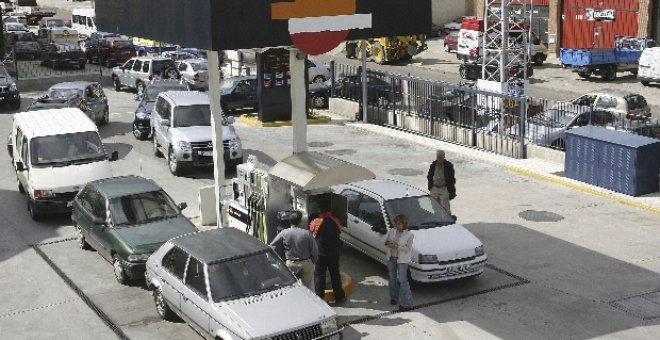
{"type": "Point", "coordinates": [206, 153]}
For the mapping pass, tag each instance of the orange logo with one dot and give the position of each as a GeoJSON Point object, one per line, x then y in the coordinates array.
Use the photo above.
{"type": "Point", "coordinates": [318, 26]}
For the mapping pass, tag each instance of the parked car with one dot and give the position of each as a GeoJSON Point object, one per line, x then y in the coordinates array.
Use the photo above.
{"type": "Point", "coordinates": [110, 51]}
{"type": "Point", "coordinates": [142, 119]}
{"type": "Point", "coordinates": [471, 70]}
{"type": "Point", "coordinates": [453, 25]}
{"type": "Point", "coordinates": [319, 94]}
{"type": "Point", "coordinates": [317, 71]}
{"type": "Point", "coordinates": [199, 53]}
{"type": "Point", "coordinates": [179, 55]}
{"type": "Point", "coordinates": [549, 127]}
{"type": "Point", "coordinates": [194, 73]}
{"type": "Point", "coordinates": [26, 46]}
{"type": "Point", "coordinates": [228, 285]}
{"type": "Point", "coordinates": [181, 123]}
{"type": "Point", "coordinates": [87, 96]}
{"type": "Point", "coordinates": [94, 38]}
{"type": "Point", "coordinates": [63, 55]}
{"type": "Point", "coordinates": [623, 103]}
{"type": "Point", "coordinates": [9, 93]}
{"type": "Point", "coordinates": [15, 27]}
{"type": "Point", "coordinates": [451, 42]}
{"type": "Point", "coordinates": [238, 93]}
{"type": "Point", "coordinates": [380, 90]}
{"type": "Point", "coordinates": [139, 71]}
{"type": "Point", "coordinates": [442, 250]}
{"type": "Point", "coordinates": [126, 219]}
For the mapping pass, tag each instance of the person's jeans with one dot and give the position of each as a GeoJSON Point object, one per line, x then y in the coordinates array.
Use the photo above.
{"type": "Point", "coordinates": [399, 285]}
{"type": "Point", "coordinates": [331, 264]}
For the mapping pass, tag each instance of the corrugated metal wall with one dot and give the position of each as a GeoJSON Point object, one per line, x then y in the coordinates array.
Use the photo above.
{"type": "Point", "coordinates": [578, 32]}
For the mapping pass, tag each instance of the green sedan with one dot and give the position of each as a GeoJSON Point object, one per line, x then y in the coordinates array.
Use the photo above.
{"type": "Point", "coordinates": [126, 219]}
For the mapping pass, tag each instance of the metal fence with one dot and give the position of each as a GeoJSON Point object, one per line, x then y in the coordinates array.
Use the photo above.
{"type": "Point", "coordinates": [463, 114]}
{"type": "Point", "coordinates": [29, 68]}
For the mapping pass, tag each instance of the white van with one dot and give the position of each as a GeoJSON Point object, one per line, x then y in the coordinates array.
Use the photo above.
{"type": "Point", "coordinates": [55, 153]}
{"type": "Point", "coordinates": [649, 66]}
{"type": "Point", "coordinates": [84, 20]}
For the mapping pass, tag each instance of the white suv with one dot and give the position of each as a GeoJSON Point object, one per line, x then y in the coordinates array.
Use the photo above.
{"type": "Point", "coordinates": [442, 249]}
{"type": "Point", "coordinates": [181, 125]}
{"type": "Point", "coordinates": [139, 71]}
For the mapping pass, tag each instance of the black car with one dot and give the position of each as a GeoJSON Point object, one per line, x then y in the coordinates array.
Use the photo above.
{"type": "Point", "coordinates": [26, 46]}
{"type": "Point", "coordinates": [87, 96]}
{"type": "Point", "coordinates": [471, 70]}
{"type": "Point", "coordinates": [63, 55]}
{"type": "Point", "coordinates": [381, 91]}
{"type": "Point", "coordinates": [9, 93]}
{"type": "Point", "coordinates": [142, 120]}
{"type": "Point", "coordinates": [318, 94]}
{"type": "Point", "coordinates": [238, 93]}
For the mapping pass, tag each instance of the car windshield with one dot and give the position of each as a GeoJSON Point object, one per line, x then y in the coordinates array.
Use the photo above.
{"type": "Point", "coordinates": [24, 37]}
{"type": "Point", "coordinates": [250, 275]}
{"type": "Point", "coordinates": [423, 212]}
{"type": "Point", "coordinates": [142, 208]}
{"type": "Point", "coordinates": [199, 66]}
{"type": "Point", "coordinates": [67, 149]}
{"type": "Point", "coordinates": [151, 92]}
{"type": "Point", "coordinates": [227, 85]}
{"type": "Point", "coordinates": [63, 93]}
{"type": "Point", "coordinates": [55, 23]}
{"type": "Point", "coordinates": [194, 115]}
{"type": "Point", "coordinates": [122, 44]}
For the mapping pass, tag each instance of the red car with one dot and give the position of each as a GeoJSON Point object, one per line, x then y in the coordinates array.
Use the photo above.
{"type": "Point", "coordinates": [451, 41]}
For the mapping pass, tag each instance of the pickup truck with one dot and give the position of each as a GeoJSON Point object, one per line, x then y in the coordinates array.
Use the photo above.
{"type": "Point", "coordinates": [606, 62]}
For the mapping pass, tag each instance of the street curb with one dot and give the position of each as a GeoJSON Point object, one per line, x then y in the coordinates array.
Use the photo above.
{"type": "Point", "coordinates": [582, 188]}
{"type": "Point", "coordinates": [252, 120]}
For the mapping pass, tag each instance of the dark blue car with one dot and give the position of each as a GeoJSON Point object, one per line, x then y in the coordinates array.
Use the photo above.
{"type": "Point", "coordinates": [238, 93]}
{"type": "Point", "coordinates": [142, 120]}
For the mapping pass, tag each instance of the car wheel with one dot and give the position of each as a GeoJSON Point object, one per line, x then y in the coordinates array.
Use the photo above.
{"type": "Point", "coordinates": [170, 73]}
{"type": "Point", "coordinates": [157, 152]}
{"type": "Point", "coordinates": [318, 79]}
{"type": "Point", "coordinates": [446, 48]}
{"type": "Point", "coordinates": [117, 84]}
{"type": "Point", "coordinates": [32, 210]}
{"type": "Point", "coordinates": [139, 87]}
{"type": "Point", "coordinates": [118, 269]}
{"type": "Point", "coordinates": [585, 75]}
{"type": "Point", "coordinates": [106, 117]}
{"type": "Point", "coordinates": [82, 242]}
{"type": "Point", "coordinates": [610, 73]}
{"type": "Point", "coordinates": [378, 53]}
{"type": "Point", "coordinates": [162, 308]}
{"type": "Point", "coordinates": [174, 164]}
{"type": "Point", "coordinates": [319, 101]}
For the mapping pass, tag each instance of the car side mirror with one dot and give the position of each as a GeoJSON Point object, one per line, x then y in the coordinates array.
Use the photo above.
{"type": "Point", "coordinates": [114, 156]}
{"type": "Point", "coordinates": [165, 122]}
{"type": "Point", "coordinates": [20, 166]}
{"type": "Point", "coordinates": [182, 206]}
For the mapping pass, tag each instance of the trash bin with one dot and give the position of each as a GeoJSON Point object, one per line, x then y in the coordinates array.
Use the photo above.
{"type": "Point", "coordinates": [615, 160]}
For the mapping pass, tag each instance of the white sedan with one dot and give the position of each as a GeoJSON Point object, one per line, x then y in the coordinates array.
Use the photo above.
{"type": "Point", "coordinates": [442, 249]}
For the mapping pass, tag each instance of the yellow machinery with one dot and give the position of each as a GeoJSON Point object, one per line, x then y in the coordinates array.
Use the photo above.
{"type": "Point", "coordinates": [388, 49]}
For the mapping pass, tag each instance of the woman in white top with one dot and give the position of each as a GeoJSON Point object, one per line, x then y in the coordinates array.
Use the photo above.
{"type": "Point", "coordinates": [399, 243]}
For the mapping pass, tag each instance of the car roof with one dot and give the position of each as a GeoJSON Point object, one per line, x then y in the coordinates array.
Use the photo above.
{"type": "Point", "coordinates": [81, 85]}
{"type": "Point", "coordinates": [615, 92]}
{"type": "Point", "coordinates": [152, 58]}
{"type": "Point", "coordinates": [124, 186]}
{"type": "Point", "coordinates": [53, 122]}
{"type": "Point", "coordinates": [218, 245]}
{"type": "Point", "coordinates": [388, 189]}
{"type": "Point", "coordinates": [185, 98]}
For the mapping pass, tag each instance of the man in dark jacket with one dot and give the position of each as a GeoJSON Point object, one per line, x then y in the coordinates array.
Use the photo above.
{"type": "Point", "coordinates": [326, 229]}
{"type": "Point", "coordinates": [442, 183]}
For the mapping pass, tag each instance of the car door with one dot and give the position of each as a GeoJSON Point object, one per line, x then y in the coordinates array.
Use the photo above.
{"type": "Point", "coordinates": [372, 227]}
{"type": "Point", "coordinates": [135, 72]}
{"type": "Point", "coordinates": [352, 202]}
{"type": "Point", "coordinates": [124, 73]}
{"type": "Point", "coordinates": [173, 268]}
{"type": "Point", "coordinates": [96, 101]}
{"type": "Point", "coordinates": [101, 234]}
{"type": "Point", "coordinates": [21, 154]}
{"type": "Point", "coordinates": [83, 216]}
{"type": "Point", "coordinates": [161, 128]}
{"type": "Point", "coordinates": [195, 297]}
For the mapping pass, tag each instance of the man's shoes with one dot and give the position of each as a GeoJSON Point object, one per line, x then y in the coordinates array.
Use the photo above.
{"type": "Point", "coordinates": [340, 301]}
{"type": "Point", "coordinates": [404, 309]}
{"type": "Point", "coordinates": [393, 302]}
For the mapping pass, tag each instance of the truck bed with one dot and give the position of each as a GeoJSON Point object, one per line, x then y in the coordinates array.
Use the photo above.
{"type": "Point", "coordinates": [585, 57]}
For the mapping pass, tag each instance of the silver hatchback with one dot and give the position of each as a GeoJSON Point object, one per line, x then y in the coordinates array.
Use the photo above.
{"type": "Point", "coordinates": [228, 285]}
{"type": "Point", "coordinates": [195, 73]}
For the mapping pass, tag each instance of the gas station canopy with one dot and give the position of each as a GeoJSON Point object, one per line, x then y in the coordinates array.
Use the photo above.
{"type": "Point", "coordinates": [242, 24]}
{"type": "Point", "coordinates": [314, 170]}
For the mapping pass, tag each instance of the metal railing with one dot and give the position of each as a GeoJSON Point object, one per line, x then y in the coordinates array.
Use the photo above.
{"type": "Point", "coordinates": [26, 68]}
{"type": "Point", "coordinates": [463, 114]}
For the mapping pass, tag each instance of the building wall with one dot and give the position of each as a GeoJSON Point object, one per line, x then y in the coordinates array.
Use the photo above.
{"type": "Point", "coordinates": [444, 11]}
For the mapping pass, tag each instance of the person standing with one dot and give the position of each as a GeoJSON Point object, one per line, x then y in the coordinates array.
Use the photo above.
{"type": "Point", "coordinates": [326, 229]}
{"type": "Point", "coordinates": [442, 183]}
{"type": "Point", "coordinates": [299, 248]}
{"type": "Point", "coordinates": [399, 243]}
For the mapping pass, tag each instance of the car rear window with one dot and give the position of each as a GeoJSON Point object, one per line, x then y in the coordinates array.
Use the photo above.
{"type": "Point", "coordinates": [161, 65]}
{"type": "Point", "coordinates": [636, 102]}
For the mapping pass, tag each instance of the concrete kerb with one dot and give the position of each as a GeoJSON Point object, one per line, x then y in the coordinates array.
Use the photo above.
{"type": "Point", "coordinates": [43, 83]}
{"type": "Point", "coordinates": [535, 168]}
